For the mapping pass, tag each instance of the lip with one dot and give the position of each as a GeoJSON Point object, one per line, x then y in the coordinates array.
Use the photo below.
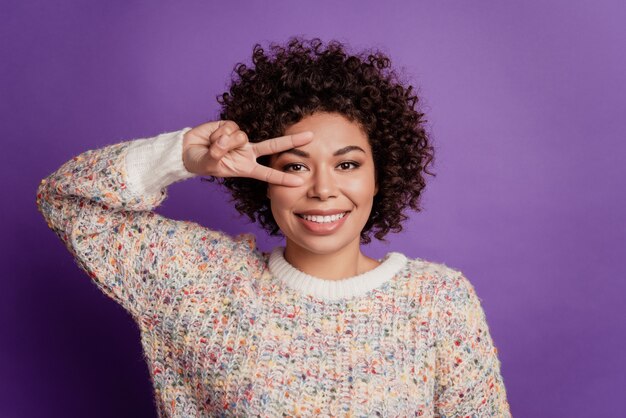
{"type": "Point", "coordinates": [323, 228]}
{"type": "Point", "coordinates": [319, 212]}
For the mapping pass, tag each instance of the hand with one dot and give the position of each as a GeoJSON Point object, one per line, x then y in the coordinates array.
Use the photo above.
{"type": "Point", "coordinates": [221, 149]}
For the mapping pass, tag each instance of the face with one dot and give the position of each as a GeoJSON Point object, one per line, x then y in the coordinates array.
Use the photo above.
{"type": "Point", "coordinates": [328, 212]}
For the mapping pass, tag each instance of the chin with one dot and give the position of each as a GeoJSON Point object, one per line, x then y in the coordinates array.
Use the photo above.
{"type": "Point", "coordinates": [323, 245]}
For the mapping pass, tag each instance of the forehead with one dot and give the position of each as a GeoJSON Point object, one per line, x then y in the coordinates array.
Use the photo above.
{"type": "Point", "coordinates": [330, 130]}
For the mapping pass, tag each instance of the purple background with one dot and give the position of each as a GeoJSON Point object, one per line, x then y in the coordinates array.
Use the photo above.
{"type": "Point", "coordinates": [526, 104]}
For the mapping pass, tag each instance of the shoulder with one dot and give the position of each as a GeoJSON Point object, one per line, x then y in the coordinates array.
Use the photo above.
{"type": "Point", "coordinates": [202, 248]}
{"type": "Point", "coordinates": [435, 270]}
{"type": "Point", "coordinates": [446, 285]}
{"type": "Point", "coordinates": [246, 255]}
{"type": "Point", "coordinates": [437, 274]}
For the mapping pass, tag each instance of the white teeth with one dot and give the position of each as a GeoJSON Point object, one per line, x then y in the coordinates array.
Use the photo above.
{"type": "Point", "coordinates": [324, 219]}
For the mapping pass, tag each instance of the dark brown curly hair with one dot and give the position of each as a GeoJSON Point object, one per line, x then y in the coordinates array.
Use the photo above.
{"type": "Point", "coordinates": [289, 82]}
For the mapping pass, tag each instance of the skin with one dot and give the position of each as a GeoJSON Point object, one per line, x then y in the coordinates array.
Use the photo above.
{"type": "Point", "coordinates": [221, 149]}
{"type": "Point", "coordinates": [343, 182]}
{"type": "Point", "coordinates": [304, 174]}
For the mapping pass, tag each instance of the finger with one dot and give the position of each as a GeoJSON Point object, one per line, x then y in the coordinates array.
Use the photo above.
{"type": "Point", "coordinates": [202, 133]}
{"type": "Point", "coordinates": [232, 141]}
{"type": "Point", "coordinates": [269, 175]}
{"type": "Point", "coordinates": [236, 140]}
{"type": "Point", "coordinates": [229, 126]}
{"type": "Point", "coordinates": [217, 152]}
{"type": "Point", "coordinates": [226, 127]}
{"type": "Point", "coordinates": [282, 143]}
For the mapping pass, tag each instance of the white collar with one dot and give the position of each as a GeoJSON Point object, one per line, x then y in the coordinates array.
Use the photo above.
{"type": "Point", "coordinates": [326, 289]}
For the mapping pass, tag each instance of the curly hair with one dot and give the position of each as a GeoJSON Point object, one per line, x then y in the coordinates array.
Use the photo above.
{"type": "Point", "coordinates": [292, 81]}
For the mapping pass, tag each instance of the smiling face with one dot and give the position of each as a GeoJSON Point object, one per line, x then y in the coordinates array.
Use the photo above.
{"type": "Point", "coordinates": [328, 212]}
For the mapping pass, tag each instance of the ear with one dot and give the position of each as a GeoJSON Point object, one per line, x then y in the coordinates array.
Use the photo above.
{"type": "Point", "coordinates": [267, 192]}
{"type": "Point", "coordinates": [376, 189]}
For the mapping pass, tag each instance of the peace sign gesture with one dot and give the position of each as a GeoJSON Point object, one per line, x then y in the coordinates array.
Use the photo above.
{"type": "Point", "coordinates": [221, 149]}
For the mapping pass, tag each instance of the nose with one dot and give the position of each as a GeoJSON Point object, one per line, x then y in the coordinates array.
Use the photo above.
{"type": "Point", "coordinates": [323, 185]}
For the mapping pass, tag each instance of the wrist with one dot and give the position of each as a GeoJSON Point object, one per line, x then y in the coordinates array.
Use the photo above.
{"type": "Point", "coordinates": [155, 163]}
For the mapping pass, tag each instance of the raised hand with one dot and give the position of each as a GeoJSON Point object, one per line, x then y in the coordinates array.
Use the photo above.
{"type": "Point", "coordinates": [221, 149]}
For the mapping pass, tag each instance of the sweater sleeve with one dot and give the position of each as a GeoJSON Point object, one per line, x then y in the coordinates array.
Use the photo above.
{"type": "Point", "coordinates": [468, 379]}
{"type": "Point", "coordinates": [100, 205]}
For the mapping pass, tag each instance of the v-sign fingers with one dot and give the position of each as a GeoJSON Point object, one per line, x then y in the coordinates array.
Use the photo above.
{"type": "Point", "coordinates": [282, 143]}
{"type": "Point", "coordinates": [269, 175]}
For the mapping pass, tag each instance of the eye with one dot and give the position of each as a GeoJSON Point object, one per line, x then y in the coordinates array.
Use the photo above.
{"type": "Point", "coordinates": [348, 165]}
{"type": "Point", "coordinates": [294, 167]}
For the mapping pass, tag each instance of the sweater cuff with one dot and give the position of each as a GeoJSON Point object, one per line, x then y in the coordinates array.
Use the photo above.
{"type": "Point", "coordinates": [154, 163]}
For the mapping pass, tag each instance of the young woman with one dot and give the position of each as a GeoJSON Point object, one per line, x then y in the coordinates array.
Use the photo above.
{"type": "Point", "coordinates": [327, 149]}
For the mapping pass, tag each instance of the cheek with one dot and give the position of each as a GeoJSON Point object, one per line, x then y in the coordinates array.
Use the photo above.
{"type": "Point", "coordinates": [361, 189]}
{"type": "Point", "coordinates": [281, 198]}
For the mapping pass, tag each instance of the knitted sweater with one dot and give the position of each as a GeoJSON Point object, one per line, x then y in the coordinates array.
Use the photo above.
{"type": "Point", "coordinates": [228, 330]}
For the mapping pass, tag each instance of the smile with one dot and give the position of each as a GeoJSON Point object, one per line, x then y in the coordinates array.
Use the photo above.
{"type": "Point", "coordinates": [323, 219]}
{"type": "Point", "coordinates": [322, 224]}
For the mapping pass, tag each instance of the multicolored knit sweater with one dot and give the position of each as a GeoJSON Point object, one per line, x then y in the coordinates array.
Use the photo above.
{"type": "Point", "coordinates": [228, 330]}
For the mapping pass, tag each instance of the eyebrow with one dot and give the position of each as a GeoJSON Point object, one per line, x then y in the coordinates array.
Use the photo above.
{"type": "Point", "coordinates": [304, 154]}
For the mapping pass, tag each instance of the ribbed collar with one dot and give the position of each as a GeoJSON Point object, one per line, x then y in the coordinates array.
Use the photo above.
{"type": "Point", "coordinates": [330, 290]}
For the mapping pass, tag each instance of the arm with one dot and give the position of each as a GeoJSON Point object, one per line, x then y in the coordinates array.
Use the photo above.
{"type": "Point", "coordinates": [99, 203]}
{"type": "Point", "coordinates": [469, 382]}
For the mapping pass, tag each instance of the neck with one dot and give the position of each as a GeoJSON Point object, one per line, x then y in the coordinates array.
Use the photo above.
{"type": "Point", "coordinates": [347, 262]}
